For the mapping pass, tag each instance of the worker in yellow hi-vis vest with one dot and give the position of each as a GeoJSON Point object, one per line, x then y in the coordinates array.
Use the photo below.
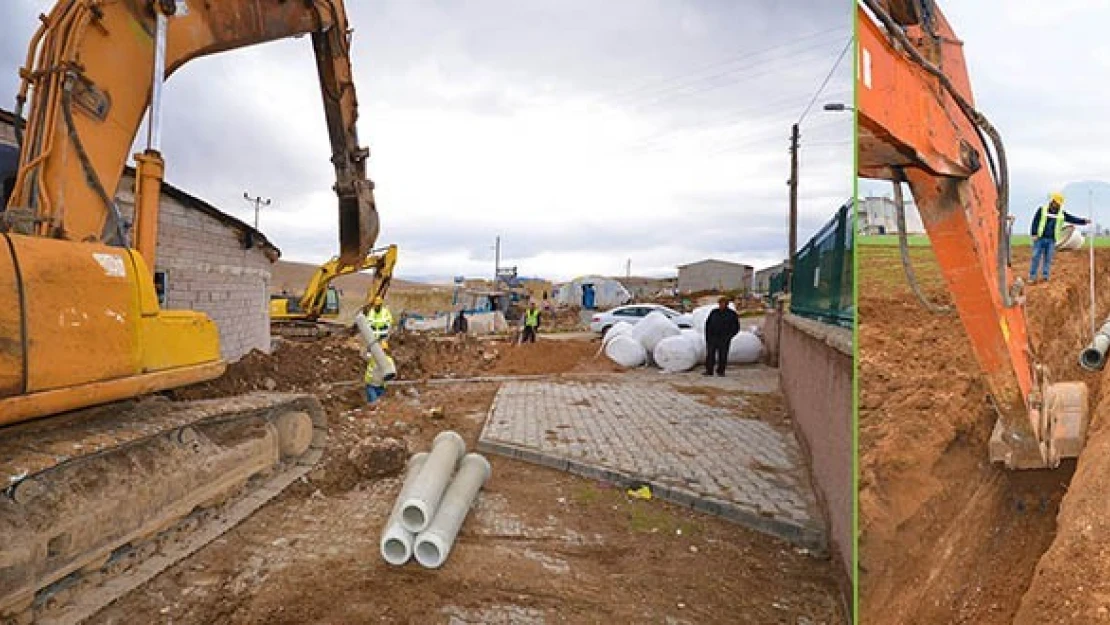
{"type": "Point", "coordinates": [530, 322]}
{"type": "Point", "coordinates": [381, 320]}
{"type": "Point", "coordinates": [1048, 224]}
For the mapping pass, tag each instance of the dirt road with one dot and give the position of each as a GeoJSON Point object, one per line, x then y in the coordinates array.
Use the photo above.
{"type": "Point", "coordinates": [541, 546]}
{"type": "Point", "coordinates": [946, 537]}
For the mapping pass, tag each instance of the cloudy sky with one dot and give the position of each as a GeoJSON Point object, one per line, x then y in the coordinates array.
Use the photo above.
{"type": "Point", "coordinates": [584, 134]}
{"type": "Point", "coordinates": [1036, 70]}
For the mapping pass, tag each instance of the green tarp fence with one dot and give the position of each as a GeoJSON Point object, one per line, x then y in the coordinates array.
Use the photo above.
{"type": "Point", "coordinates": [822, 281]}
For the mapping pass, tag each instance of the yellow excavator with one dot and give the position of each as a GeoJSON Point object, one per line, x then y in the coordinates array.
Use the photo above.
{"type": "Point", "coordinates": [93, 469]}
{"type": "Point", "coordinates": [313, 313]}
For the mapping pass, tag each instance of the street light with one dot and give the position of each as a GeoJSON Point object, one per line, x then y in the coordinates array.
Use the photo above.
{"type": "Point", "coordinates": [793, 182]}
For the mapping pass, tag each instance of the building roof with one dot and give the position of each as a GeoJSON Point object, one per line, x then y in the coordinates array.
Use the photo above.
{"type": "Point", "coordinates": [250, 235]}
{"type": "Point", "coordinates": [718, 262]}
{"type": "Point", "coordinates": [255, 236]}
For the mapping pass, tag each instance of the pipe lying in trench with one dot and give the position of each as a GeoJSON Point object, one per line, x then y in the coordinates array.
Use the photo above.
{"type": "Point", "coordinates": [432, 480]}
{"type": "Point", "coordinates": [396, 543]}
{"type": "Point", "coordinates": [434, 544]}
{"type": "Point", "coordinates": [384, 367]}
{"type": "Point", "coordinates": [1093, 358]}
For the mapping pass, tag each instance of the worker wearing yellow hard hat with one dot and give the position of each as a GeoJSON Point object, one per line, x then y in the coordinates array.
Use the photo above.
{"type": "Point", "coordinates": [1048, 225]}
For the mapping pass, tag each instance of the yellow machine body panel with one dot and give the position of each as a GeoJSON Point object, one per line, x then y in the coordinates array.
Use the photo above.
{"type": "Point", "coordinates": [84, 318]}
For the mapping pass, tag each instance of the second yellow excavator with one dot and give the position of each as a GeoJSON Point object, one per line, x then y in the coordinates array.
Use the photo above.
{"type": "Point", "coordinates": [89, 475]}
{"type": "Point", "coordinates": [314, 312]}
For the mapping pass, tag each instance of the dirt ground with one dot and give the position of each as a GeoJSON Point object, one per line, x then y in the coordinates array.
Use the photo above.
{"type": "Point", "coordinates": [541, 545]}
{"type": "Point", "coordinates": [945, 536]}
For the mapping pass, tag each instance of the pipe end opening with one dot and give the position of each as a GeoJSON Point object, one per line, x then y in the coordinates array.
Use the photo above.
{"type": "Point", "coordinates": [395, 551]}
{"type": "Point", "coordinates": [413, 518]}
{"type": "Point", "coordinates": [1091, 360]}
{"type": "Point", "coordinates": [428, 554]}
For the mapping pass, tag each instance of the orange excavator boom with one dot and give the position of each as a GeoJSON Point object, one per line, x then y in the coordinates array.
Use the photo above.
{"type": "Point", "coordinates": [918, 124]}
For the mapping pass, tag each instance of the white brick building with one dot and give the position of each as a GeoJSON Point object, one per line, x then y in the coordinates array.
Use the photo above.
{"type": "Point", "coordinates": [876, 215]}
{"type": "Point", "coordinates": [714, 275]}
{"type": "Point", "coordinates": [207, 260]}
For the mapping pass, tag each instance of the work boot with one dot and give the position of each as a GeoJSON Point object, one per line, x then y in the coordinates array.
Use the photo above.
{"type": "Point", "coordinates": [721, 374]}
{"type": "Point", "coordinates": [707, 373]}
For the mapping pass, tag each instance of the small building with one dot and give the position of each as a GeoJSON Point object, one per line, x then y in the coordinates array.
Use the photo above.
{"type": "Point", "coordinates": [714, 275]}
{"type": "Point", "coordinates": [877, 215]}
{"type": "Point", "coordinates": [762, 282]}
{"type": "Point", "coordinates": [205, 260]}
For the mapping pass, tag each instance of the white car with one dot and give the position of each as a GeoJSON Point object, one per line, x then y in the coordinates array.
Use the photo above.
{"type": "Point", "coordinates": [633, 313]}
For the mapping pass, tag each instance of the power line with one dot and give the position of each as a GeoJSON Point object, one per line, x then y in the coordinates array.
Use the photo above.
{"type": "Point", "coordinates": [648, 86]}
{"type": "Point", "coordinates": [827, 78]}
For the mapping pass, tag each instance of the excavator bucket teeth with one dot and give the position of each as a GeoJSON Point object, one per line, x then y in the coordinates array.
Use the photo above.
{"type": "Point", "coordinates": [1068, 417]}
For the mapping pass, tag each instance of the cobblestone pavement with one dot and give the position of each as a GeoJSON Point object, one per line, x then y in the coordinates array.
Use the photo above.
{"type": "Point", "coordinates": [708, 457]}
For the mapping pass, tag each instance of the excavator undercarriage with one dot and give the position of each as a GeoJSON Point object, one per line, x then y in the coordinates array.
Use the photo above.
{"type": "Point", "coordinates": [88, 490]}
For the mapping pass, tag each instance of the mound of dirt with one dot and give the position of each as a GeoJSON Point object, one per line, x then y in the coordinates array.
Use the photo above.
{"type": "Point", "coordinates": [292, 367]}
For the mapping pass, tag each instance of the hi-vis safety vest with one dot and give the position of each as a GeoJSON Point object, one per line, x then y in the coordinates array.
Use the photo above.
{"type": "Point", "coordinates": [370, 378]}
{"type": "Point", "coordinates": [532, 318]}
{"type": "Point", "coordinates": [380, 321]}
{"type": "Point", "coordinates": [1058, 216]}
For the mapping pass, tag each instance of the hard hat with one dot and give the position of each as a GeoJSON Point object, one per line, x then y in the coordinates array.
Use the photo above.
{"type": "Point", "coordinates": [1057, 197]}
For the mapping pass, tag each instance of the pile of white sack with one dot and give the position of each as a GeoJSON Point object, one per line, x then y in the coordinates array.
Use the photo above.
{"type": "Point", "coordinates": [657, 340]}
{"type": "Point", "coordinates": [433, 502]}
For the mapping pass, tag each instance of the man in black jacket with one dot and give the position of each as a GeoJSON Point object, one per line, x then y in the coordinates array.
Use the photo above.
{"type": "Point", "coordinates": [720, 327]}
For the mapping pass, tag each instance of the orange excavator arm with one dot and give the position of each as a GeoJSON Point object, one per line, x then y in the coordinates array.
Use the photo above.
{"type": "Point", "coordinates": [83, 71]}
{"type": "Point", "coordinates": [918, 124]}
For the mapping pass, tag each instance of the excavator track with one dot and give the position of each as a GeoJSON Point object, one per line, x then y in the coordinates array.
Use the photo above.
{"type": "Point", "coordinates": [96, 502]}
{"type": "Point", "coordinates": [309, 329]}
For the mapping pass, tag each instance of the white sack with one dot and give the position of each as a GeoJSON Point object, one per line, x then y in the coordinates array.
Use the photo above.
{"type": "Point", "coordinates": [626, 351]}
{"type": "Point", "coordinates": [744, 348]}
{"type": "Point", "coordinates": [676, 353]}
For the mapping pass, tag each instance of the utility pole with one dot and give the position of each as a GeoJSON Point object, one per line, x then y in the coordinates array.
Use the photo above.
{"type": "Point", "coordinates": [789, 273]}
{"type": "Point", "coordinates": [628, 269]}
{"type": "Point", "coordinates": [496, 261]}
{"type": "Point", "coordinates": [258, 201]}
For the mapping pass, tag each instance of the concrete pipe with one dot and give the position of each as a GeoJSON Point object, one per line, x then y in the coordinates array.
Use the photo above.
{"type": "Point", "coordinates": [384, 369]}
{"type": "Point", "coordinates": [396, 544]}
{"type": "Point", "coordinates": [421, 503]}
{"type": "Point", "coordinates": [1093, 358]}
{"type": "Point", "coordinates": [434, 544]}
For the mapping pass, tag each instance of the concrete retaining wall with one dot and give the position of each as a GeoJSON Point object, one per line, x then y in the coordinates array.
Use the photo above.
{"type": "Point", "coordinates": [815, 365]}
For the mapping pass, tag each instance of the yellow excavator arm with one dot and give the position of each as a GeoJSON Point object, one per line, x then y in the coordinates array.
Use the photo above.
{"type": "Point", "coordinates": [93, 68]}
{"type": "Point", "coordinates": [313, 303]}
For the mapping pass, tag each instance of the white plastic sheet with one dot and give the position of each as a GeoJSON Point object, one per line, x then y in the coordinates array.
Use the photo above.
{"type": "Point", "coordinates": [745, 348]}
{"type": "Point", "coordinates": [697, 341]}
{"type": "Point", "coordinates": [616, 330]}
{"type": "Point", "coordinates": [676, 353]}
{"type": "Point", "coordinates": [652, 329]}
{"type": "Point", "coordinates": [626, 351]}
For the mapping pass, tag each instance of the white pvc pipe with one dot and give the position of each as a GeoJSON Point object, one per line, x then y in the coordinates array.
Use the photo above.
{"type": "Point", "coordinates": [384, 368]}
{"type": "Point", "coordinates": [434, 544]}
{"type": "Point", "coordinates": [396, 543]}
{"type": "Point", "coordinates": [420, 504]}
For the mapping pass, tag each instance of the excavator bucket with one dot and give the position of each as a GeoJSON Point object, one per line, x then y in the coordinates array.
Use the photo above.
{"type": "Point", "coordinates": [1068, 417]}
{"type": "Point", "coordinates": [1062, 430]}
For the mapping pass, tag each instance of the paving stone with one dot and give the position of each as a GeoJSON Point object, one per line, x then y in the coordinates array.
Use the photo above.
{"type": "Point", "coordinates": [713, 460]}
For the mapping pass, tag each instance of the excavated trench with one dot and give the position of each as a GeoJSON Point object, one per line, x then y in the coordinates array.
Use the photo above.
{"type": "Point", "coordinates": [945, 536]}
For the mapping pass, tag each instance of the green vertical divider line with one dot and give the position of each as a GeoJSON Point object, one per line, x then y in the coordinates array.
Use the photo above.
{"type": "Point", "coordinates": [854, 572]}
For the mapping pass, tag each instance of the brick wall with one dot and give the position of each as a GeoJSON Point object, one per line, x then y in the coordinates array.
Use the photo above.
{"type": "Point", "coordinates": [208, 270]}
